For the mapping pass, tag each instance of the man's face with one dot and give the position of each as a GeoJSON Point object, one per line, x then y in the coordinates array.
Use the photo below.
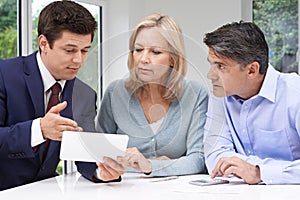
{"type": "Point", "coordinates": [226, 76]}
{"type": "Point", "coordinates": [67, 55]}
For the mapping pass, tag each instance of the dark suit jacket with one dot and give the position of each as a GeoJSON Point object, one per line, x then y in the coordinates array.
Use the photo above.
{"type": "Point", "coordinates": [84, 105]}
{"type": "Point", "coordinates": [84, 114]}
{"type": "Point", "coordinates": [21, 101]}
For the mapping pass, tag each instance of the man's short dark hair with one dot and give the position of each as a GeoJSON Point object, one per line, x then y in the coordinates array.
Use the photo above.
{"type": "Point", "coordinates": [61, 16]}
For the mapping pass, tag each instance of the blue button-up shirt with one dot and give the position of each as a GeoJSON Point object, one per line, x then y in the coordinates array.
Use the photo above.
{"type": "Point", "coordinates": [263, 130]}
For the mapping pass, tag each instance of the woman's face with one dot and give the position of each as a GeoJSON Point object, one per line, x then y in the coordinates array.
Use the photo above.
{"type": "Point", "coordinates": [151, 56]}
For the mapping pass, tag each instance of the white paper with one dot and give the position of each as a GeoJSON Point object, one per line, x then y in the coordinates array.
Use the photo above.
{"type": "Point", "coordinates": [91, 147]}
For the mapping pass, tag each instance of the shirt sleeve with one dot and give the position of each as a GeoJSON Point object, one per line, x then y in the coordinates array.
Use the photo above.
{"type": "Point", "coordinates": [36, 133]}
{"type": "Point", "coordinates": [217, 140]}
{"type": "Point", "coordinates": [219, 143]}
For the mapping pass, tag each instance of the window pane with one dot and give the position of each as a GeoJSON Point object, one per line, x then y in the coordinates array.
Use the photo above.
{"type": "Point", "coordinates": [278, 19]}
{"type": "Point", "coordinates": [8, 29]}
{"type": "Point", "coordinates": [89, 71]}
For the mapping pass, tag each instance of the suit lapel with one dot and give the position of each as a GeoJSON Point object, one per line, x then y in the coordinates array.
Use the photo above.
{"type": "Point", "coordinates": [34, 84]}
{"type": "Point", "coordinates": [67, 96]}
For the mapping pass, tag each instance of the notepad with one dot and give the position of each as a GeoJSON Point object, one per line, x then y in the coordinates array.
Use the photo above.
{"type": "Point", "coordinates": [92, 147]}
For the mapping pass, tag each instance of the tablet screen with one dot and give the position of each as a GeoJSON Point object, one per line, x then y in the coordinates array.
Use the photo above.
{"type": "Point", "coordinates": [91, 147]}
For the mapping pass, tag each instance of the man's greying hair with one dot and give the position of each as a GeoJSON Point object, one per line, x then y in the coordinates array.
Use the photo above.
{"type": "Point", "coordinates": [243, 42]}
{"type": "Point", "coordinates": [61, 16]}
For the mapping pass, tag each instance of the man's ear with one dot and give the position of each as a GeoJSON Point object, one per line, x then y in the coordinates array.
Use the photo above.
{"type": "Point", "coordinates": [253, 69]}
{"type": "Point", "coordinates": [43, 43]}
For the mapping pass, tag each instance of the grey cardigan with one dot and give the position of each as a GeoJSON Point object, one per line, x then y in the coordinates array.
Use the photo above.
{"type": "Point", "coordinates": [180, 136]}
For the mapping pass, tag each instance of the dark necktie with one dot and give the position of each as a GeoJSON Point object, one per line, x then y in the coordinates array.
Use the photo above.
{"type": "Point", "coordinates": [53, 100]}
{"type": "Point", "coordinates": [54, 97]}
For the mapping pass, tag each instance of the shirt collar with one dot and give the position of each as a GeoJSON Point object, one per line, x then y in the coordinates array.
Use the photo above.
{"type": "Point", "coordinates": [269, 86]}
{"type": "Point", "coordinates": [268, 89]}
{"type": "Point", "coordinates": [235, 98]}
{"type": "Point", "coordinates": [48, 79]}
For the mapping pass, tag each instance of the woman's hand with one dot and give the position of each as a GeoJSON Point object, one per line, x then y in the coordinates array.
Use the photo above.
{"type": "Point", "coordinates": [135, 159]}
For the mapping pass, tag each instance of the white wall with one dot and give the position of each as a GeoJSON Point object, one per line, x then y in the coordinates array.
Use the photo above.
{"type": "Point", "coordinates": [196, 17]}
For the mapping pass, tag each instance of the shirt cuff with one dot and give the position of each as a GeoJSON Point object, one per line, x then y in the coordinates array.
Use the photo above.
{"type": "Point", "coordinates": [97, 173]}
{"type": "Point", "coordinates": [269, 174]}
{"type": "Point", "coordinates": [36, 133]}
{"type": "Point", "coordinates": [97, 177]}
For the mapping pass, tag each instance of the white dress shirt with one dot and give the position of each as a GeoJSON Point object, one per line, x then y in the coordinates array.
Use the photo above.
{"type": "Point", "coordinates": [48, 81]}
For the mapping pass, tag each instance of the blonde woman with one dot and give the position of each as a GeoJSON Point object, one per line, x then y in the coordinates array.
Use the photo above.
{"type": "Point", "coordinates": [162, 113]}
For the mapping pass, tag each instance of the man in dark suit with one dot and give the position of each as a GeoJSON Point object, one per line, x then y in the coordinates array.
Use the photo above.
{"type": "Point", "coordinates": [65, 34]}
{"type": "Point", "coordinates": [84, 113]}
{"type": "Point", "coordinates": [84, 105]}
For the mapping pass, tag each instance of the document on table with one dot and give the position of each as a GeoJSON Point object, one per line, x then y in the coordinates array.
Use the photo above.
{"type": "Point", "coordinates": [92, 147]}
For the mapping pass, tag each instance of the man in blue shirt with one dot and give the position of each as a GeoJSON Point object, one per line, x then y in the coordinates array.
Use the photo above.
{"type": "Point", "coordinates": [253, 120]}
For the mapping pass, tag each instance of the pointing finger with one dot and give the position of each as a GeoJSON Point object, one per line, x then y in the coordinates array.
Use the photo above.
{"type": "Point", "coordinates": [59, 107]}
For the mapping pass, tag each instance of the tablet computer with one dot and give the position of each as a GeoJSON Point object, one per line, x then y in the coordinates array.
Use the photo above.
{"type": "Point", "coordinates": [92, 147]}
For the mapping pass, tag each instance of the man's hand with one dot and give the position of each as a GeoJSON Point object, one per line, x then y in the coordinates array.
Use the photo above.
{"type": "Point", "coordinates": [110, 169]}
{"type": "Point", "coordinates": [237, 167]}
{"type": "Point", "coordinates": [52, 124]}
{"type": "Point", "coordinates": [136, 160]}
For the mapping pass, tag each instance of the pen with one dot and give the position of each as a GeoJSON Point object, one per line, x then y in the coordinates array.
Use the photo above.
{"type": "Point", "coordinates": [164, 179]}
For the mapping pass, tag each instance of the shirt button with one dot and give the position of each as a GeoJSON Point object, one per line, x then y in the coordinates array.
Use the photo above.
{"type": "Point", "coordinates": [244, 130]}
{"type": "Point", "coordinates": [249, 152]}
{"type": "Point", "coordinates": [152, 139]}
{"type": "Point", "coordinates": [246, 107]}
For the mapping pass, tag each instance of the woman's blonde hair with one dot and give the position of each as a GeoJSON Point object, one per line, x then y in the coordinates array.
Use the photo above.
{"type": "Point", "coordinates": [171, 31]}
